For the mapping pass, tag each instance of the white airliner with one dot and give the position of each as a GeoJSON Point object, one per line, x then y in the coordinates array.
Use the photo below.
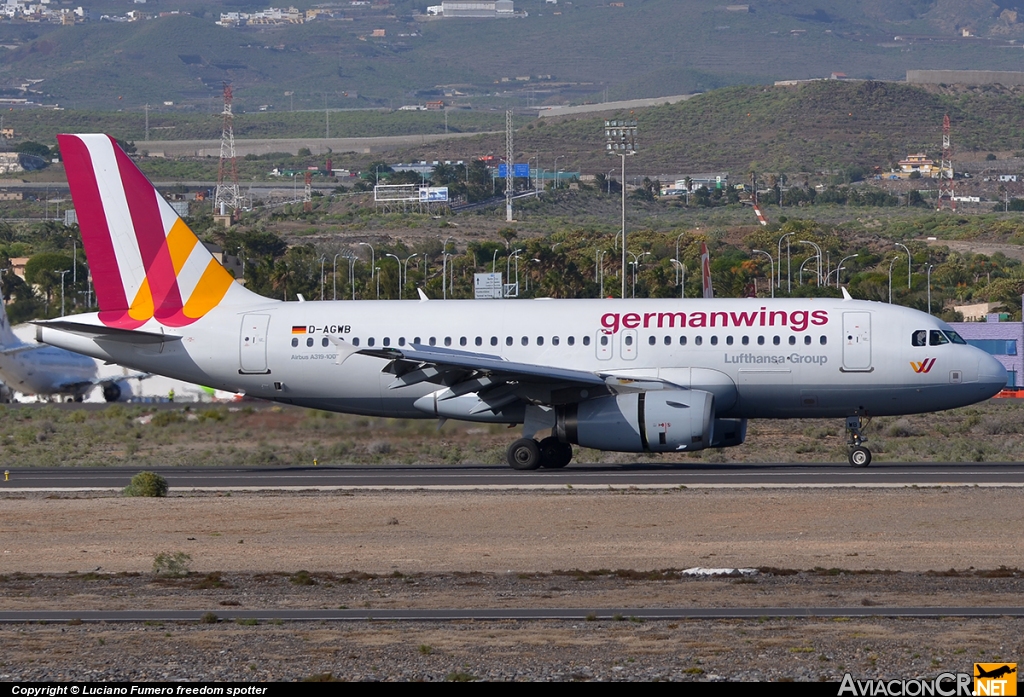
{"type": "Point", "coordinates": [621, 375]}
{"type": "Point", "coordinates": [46, 371]}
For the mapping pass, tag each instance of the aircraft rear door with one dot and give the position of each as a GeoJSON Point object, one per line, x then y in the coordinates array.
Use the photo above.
{"type": "Point", "coordinates": [857, 341]}
{"type": "Point", "coordinates": [252, 348]}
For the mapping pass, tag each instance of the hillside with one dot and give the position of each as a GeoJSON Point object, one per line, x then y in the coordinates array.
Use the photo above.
{"type": "Point", "coordinates": [810, 127]}
{"type": "Point", "coordinates": [585, 50]}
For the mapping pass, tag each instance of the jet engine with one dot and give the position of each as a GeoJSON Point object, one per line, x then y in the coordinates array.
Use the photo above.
{"type": "Point", "coordinates": [656, 421]}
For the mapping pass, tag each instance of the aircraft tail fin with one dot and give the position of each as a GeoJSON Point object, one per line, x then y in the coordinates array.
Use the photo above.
{"type": "Point", "coordinates": [146, 263]}
{"type": "Point", "coordinates": [705, 270]}
{"type": "Point", "coordinates": [7, 338]}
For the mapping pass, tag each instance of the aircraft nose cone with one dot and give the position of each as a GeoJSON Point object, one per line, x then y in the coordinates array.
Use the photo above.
{"type": "Point", "coordinates": [991, 374]}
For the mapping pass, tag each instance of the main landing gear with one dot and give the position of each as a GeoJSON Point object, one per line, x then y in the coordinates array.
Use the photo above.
{"type": "Point", "coordinates": [859, 455]}
{"type": "Point", "coordinates": [528, 454]}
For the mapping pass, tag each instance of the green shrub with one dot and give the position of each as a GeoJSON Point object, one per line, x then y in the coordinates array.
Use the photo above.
{"type": "Point", "coordinates": [171, 565]}
{"type": "Point", "coordinates": [146, 484]}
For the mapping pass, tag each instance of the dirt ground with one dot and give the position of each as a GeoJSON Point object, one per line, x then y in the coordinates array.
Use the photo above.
{"type": "Point", "coordinates": [912, 529]}
{"type": "Point", "coordinates": [471, 549]}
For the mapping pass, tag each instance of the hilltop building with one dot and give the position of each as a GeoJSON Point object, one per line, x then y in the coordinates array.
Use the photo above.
{"type": "Point", "coordinates": [484, 9]}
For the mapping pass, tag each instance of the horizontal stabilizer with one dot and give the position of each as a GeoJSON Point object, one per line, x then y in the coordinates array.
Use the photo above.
{"type": "Point", "coordinates": [100, 333]}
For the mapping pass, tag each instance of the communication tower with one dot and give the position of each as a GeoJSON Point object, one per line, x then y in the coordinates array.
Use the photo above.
{"type": "Point", "coordinates": [946, 187]}
{"type": "Point", "coordinates": [227, 194]}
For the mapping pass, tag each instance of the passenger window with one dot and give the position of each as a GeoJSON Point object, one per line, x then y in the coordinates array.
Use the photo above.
{"type": "Point", "coordinates": [746, 340]}
{"type": "Point", "coordinates": [629, 341]}
{"type": "Point", "coordinates": [554, 341]}
{"type": "Point", "coordinates": [401, 341]}
{"type": "Point", "coordinates": [447, 341]}
{"type": "Point", "coordinates": [571, 340]}
{"type": "Point", "coordinates": [728, 340]}
{"type": "Point", "coordinates": [508, 341]}
{"type": "Point", "coordinates": [355, 341]}
{"type": "Point", "coordinates": [807, 340]}
{"type": "Point", "coordinates": [792, 341]}
{"type": "Point", "coordinates": [462, 341]}
{"type": "Point", "coordinates": [295, 342]}
{"type": "Point", "coordinates": [937, 338]}
{"type": "Point", "coordinates": [417, 341]}
{"type": "Point", "coordinates": [433, 341]}
{"type": "Point", "coordinates": [760, 341]}
{"type": "Point", "coordinates": [525, 341]}
{"type": "Point", "coordinates": [325, 342]}
{"type": "Point", "coordinates": [479, 341]}
{"type": "Point", "coordinates": [540, 341]}
{"type": "Point", "coordinates": [698, 340]}
{"type": "Point", "coordinates": [682, 341]}
{"type": "Point", "coordinates": [652, 340]}
{"type": "Point", "coordinates": [369, 342]}
{"type": "Point", "coordinates": [494, 341]}
{"type": "Point", "coordinates": [309, 342]}
{"type": "Point", "coordinates": [586, 341]}
{"type": "Point", "coordinates": [604, 339]}
{"type": "Point", "coordinates": [668, 341]}
{"type": "Point", "coordinates": [776, 340]}
{"type": "Point", "coordinates": [823, 340]}
{"type": "Point", "coordinates": [919, 338]}
{"type": "Point", "coordinates": [714, 341]}
{"type": "Point", "coordinates": [387, 341]}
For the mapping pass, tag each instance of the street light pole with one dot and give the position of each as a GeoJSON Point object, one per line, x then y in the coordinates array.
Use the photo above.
{"type": "Point", "coordinates": [62, 273]}
{"type": "Point", "coordinates": [929, 272]}
{"type": "Point", "coordinates": [407, 266]}
{"type": "Point", "coordinates": [682, 277]}
{"type": "Point", "coordinates": [890, 276]}
{"type": "Point", "coordinates": [789, 270]}
{"type": "Point", "coordinates": [373, 258]}
{"type": "Point", "coordinates": [398, 262]}
{"type": "Point", "coordinates": [334, 277]}
{"type": "Point", "coordinates": [852, 256]}
{"type": "Point", "coordinates": [909, 260]}
{"type": "Point", "coordinates": [771, 267]}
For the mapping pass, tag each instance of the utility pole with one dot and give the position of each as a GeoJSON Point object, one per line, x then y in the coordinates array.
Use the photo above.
{"type": "Point", "coordinates": [509, 178]}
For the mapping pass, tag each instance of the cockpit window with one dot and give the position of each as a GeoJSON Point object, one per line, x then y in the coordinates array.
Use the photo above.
{"type": "Point", "coordinates": [953, 336]}
{"type": "Point", "coordinates": [919, 338]}
{"type": "Point", "coordinates": [937, 338]}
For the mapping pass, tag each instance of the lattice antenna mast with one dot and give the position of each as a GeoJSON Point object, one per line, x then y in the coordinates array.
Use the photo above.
{"type": "Point", "coordinates": [509, 174]}
{"type": "Point", "coordinates": [227, 194]}
{"type": "Point", "coordinates": [946, 186]}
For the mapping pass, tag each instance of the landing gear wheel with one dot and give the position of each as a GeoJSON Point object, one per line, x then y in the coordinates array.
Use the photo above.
{"type": "Point", "coordinates": [860, 456]}
{"type": "Point", "coordinates": [554, 454]}
{"type": "Point", "coordinates": [524, 454]}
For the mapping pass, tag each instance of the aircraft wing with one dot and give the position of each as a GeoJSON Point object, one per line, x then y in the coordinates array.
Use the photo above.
{"type": "Point", "coordinates": [463, 372]}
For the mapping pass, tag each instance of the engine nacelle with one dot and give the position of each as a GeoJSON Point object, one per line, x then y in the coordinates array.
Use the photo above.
{"type": "Point", "coordinates": [656, 421]}
{"type": "Point", "coordinates": [729, 432]}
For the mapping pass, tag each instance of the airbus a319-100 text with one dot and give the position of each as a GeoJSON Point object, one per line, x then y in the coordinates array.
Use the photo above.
{"type": "Point", "coordinates": [619, 375]}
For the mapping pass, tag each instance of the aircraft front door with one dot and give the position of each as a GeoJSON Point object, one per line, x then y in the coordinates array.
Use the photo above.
{"type": "Point", "coordinates": [252, 348]}
{"type": "Point", "coordinates": [857, 340]}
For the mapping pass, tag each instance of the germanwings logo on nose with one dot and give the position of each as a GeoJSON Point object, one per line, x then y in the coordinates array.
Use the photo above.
{"type": "Point", "coordinates": [924, 366]}
{"type": "Point", "coordinates": [146, 262]}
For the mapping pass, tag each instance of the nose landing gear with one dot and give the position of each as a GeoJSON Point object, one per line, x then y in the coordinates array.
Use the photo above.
{"type": "Point", "coordinates": [858, 454]}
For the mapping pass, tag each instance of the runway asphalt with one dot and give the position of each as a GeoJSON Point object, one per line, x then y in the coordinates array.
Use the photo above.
{"type": "Point", "coordinates": [827, 475]}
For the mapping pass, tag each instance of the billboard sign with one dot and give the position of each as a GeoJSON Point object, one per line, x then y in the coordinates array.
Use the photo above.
{"type": "Point", "coordinates": [433, 194]}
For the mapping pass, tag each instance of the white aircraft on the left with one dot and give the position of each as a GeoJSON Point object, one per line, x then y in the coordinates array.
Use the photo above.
{"type": "Point", "coordinates": [50, 372]}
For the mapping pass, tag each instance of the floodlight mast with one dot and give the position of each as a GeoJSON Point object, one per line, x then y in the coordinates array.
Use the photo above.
{"type": "Point", "coordinates": [620, 139]}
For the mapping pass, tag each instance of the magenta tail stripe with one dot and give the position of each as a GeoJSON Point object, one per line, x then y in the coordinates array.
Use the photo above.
{"type": "Point", "coordinates": [149, 233]}
{"type": "Point", "coordinates": [93, 222]}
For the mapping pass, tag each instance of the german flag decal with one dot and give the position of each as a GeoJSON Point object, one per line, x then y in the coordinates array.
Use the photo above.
{"type": "Point", "coordinates": [298, 329]}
